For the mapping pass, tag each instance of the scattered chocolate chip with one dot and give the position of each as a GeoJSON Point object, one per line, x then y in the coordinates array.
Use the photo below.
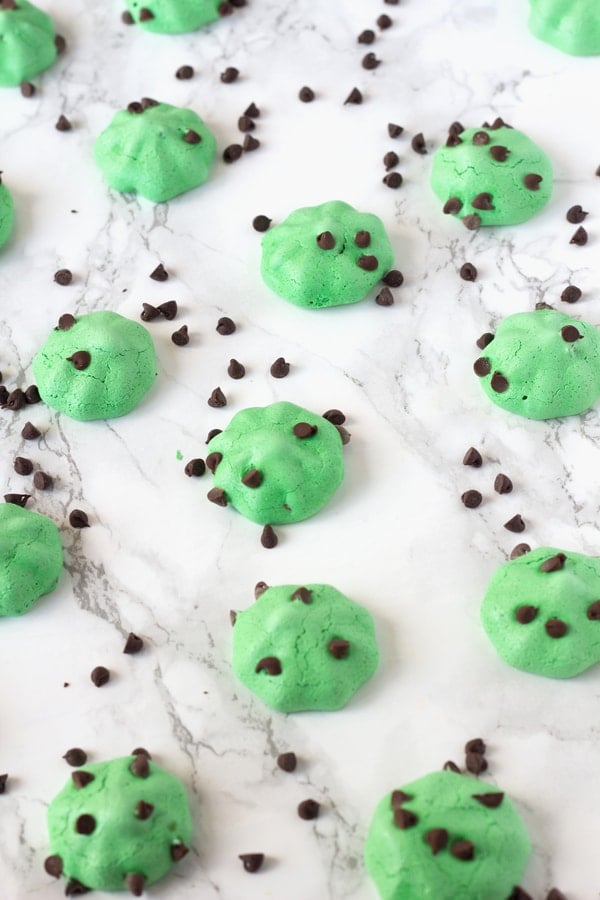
{"type": "Point", "coordinates": [519, 894]}
{"type": "Point", "coordinates": [60, 43]}
{"type": "Point", "coordinates": [148, 103]}
{"type": "Point", "coordinates": [232, 617]}
{"type": "Point", "coordinates": [384, 297]}
{"type": "Point", "coordinates": [280, 368]}
{"type": "Point", "coordinates": [81, 779]}
{"type": "Point", "coordinates": [184, 72]}
{"type": "Point", "coordinates": [135, 883]}
{"type": "Point", "coordinates": [463, 850]}
{"type": "Point", "coordinates": [532, 182]}
{"type": "Point", "coordinates": [326, 240]}
{"type": "Point", "coordinates": [252, 478]}
{"type": "Point", "coordinates": [149, 312]}
{"type": "Point", "coordinates": [141, 751]}
{"type": "Point", "coordinates": [339, 648]}
{"type": "Point", "coordinates": [306, 94]}
{"type": "Point", "coordinates": [168, 309]}
{"type": "Point", "coordinates": [3, 396]}
{"type": "Point", "coordinates": [394, 130]}
{"type": "Point", "coordinates": [498, 123]}
{"type": "Point", "coordinates": [570, 334]}
{"type": "Point", "coordinates": [485, 339]}
{"type": "Point", "coordinates": [252, 861]}
{"type": "Point", "coordinates": [75, 888]}
{"type": "Point", "coordinates": [480, 138]}
{"type": "Point", "coordinates": [452, 206]}
{"type": "Point", "coordinates": [303, 430]}
{"type": "Point", "coordinates": [437, 838]}
{"type": "Point", "coordinates": [252, 111]}
{"type": "Point", "coordinates": [468, 272]}
{"type": "Point", "coordinates": [519, 550]}
{"type": "Point", "coordinates": [259, 588]}
{"type": "Point", "coordinates": [211, 434]}
{"type": "Point", "coordinates": [392, 180]}
{"type": "Point", "coordinates": [576, 215]}
{"type": "Point", "coordinates": [370, 61]}
{"type": "Point", "coordinates": [542, 305]}
{"type": "Point", "coordinates": [192, 137]}
{"type": "Point", "coordinates": [143, 810]}
{"type": "Point", "coordinates": [366, 37]}
{"type": "Point", "coordinates": [393, 278]}
{"type": "Point", "coordinates": [133, 644]}
{"type": "Point", "coordinates": [335, 416]}
{"type": "Point", "coordinates": [27, 89]}
{"type": "Point", "coordinates": [63, 124]}
{"type": "Point", "coordinates": [553, 563]}
{"type": "Point", "coordinates": [471, 499]}
{"type": "Point", "coordinates": [472, 222]}
{"type": "Point", "coordinates": [287, 761]}
{"type": "Point", "coordinates": [593, 611]}
{"type": "Point", "coordinates": [555, 628]}
{"type": "Point", "coordinates": [482, 366]}
{"type": "Point", "coordinates": [85, 824]}
{"type": "Point", "coordinates": [345, 435]}
{"type": "Point", "coordinates": [250, 143]}
{"type": "Point", "coordinates": [246, 123]}
{"type": "Point", "coordinates": [384, 22]}
{"type": "Point", "coordinates": [80, 359]}
{"type": "Point", "coordinates": [225, 326]}
{"type": "Point", "coordinates": [499, 383]}
{"type": "Point", "coordinates": [261, 223]}
{"type": "Point", "coordinates": [66, 322]}
{"type": "Point", "coordinates": [571, 294]}
{"type": "Point", "coordinates": [22, 466]}
{"type": "Point", "coordinates": [308, 809]}
{"type": "Point", "coordinates": [29, 432]}
{"type": "Point", "coordinates": [475, 763]}
{"type": "Point", "coordinates": [42, 481]}
{"type": "Point", "coordinates": [368, 263]}
{"type": "Point", "coordinates": [75, 757]}
{"type": "Point", "coordinates": [100, 676]}
{"type": "Point", "coordinates": [453, 140]}
{"type": "Point", "coordinates": [354, 96]}
{"type": "Point", "coordinates": [450, 766]}
{"type": "Point", "coordinates": [225, 9]}
{"type": "Point", "coordinates": [482, 201]}
{"type": "Point", "coordinates": [140, 766]}
{"type": "Point", "coordinates": [63, 277]}
{"type": "Point", "coordinates": [516, 524]}
{"type": "Point", "coordinates": [232, 152]}
{"type": "Point", "coordinates": [404, 818]}
{"type": "Point", "coordinates": [269, 664]}
{"type": "Point", "coordinates": [525, 614]}
{"type": "Point", "coordinates": [146, 14]}
{"type": "Point", "coordinates": [491, 801]}
{"type": "Point", "coordinates": [213, 460]}
{"type": "Point", "coordinates": [135, 108]}
{"type": "Point", "coordinates": [580, 237]}
{"type": "Point", "coordinates": [502, 484]}
{"type": "Point", "coordinates": [268, 537]}
{"type": "Point", "coordinates": [181, 337]}
{"type": "Point", "coordinates": [195, 468]}
{"type": "Point", "coordinates": [418, 143]}
{"type": "Point", "coordinates": [17, 499]}
{"type": "Point", "coordinates": [178, 851]}
{"type": "Point", "coordinates": [217, 399]}
{"type": "Point", "coordinates": [16, 400]}
{"type": "Point", "coordinates": [475, 745]}
{"type": "Point", "coordinates": [230, 75]}
{"type": "Point", "coordinates": [217, 495]}
{"type": "Point", "coordinates": [53, 865]}
{"type": "Point", "coordinates": [78, 519]}
{"type": "Point", "coordinates": [456, 128]}
{"type": "Point", "coordinates": [159, 273]}
{"type": "Point", "coordinates": [390, 160]}
{"type": "Point", "coordinates": [472, 458]}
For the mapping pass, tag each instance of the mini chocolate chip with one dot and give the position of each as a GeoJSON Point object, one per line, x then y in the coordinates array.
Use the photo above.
{"type": "Point", "coordinates": [159, 273]}
{"type": "Point", "coordinates": [475, 763]}
{"type": "Point", "coordinates": [246, 123]}
{"type": "Point", "coordinates": [437, 838]}
{"type": "Point", "coordinates": [394, 130]}
{"type": "Point", "coordinates": [269, 664]}
{"type": "Point", "coordinates": [100, 676]}
{"type": "Point", "coordinates": [519, 550]}
{"type": "Point", "coordinates": [252, 478]}
{"type": "Point", "coordinates": [140, 766]}
{"type": "Point", "coordinates": [468, 272]}
{"type": "Point", "coordinates": [345, 435]}
{"type": "Point", "coordinates": [149, 312]}
{"type": "Point", "coordinates": [370, 61]}
{"type": "Point", "coordinates": [168, 309]}
{"type": "Point", "coordinates": [184, 72]}
{"type": "Point", "coordinates": [80, 359]}
{"type": "Point", "coordinates": [195, 468]}
{"type": "Point", "coordinates": [306, 94]}
{"type": "Point", "coordinates": [75, 888]}
{"type": "Point", "coordinates": [250, 143]}
{"type": "Point", "coordinates": [252, 861]}
{"type": "Point", "coordinates": [303, 430]}
{"type": "Point", "coordinates": [393, 278]}
{"type": "Point", "coordinates": [475, 745]}
{"type": "Point", "coordinates": [335, 416]}
{"type": "Point", "coordinates": [232, 152]}
{"type": "Point", "coordinates": [148, 103]}
{"type": "Point", "coordinates": [555, 628]}
{"type": "Point", "coordinates": [404, 818]}
{"type": "Point", "coordinates": [75, 757]}
{"type": "Point", "coordinates": [418, 143]}
{"type": "Point", "coordinates": [63, 124]}
{"type": "Point", "coordinates": [29, 432]}
{"type": "Point", "coordinates": [143, 810]}
{"type": "Point", "coordinates": [368, 263]}
{"type": "Point", "coordinates": [450, 766]}
{"type": "Point", "coordinates": [398, 798]}
{"type": "Point", "coordinates": [525, 614]}
{"type": "Point", "coordinates": [60, 43]}
{"type": "Point", "coordinates": [472, 458]}
{"type": "Point", "coordinates": [519, 894]}
{"type": "Point", "coordinates": [499, 383]}
{"type": "Point", "coordinates": [211, 434]}
{"type": "Point", "coordinates": [192, 137]}
{"type": "Point", "coordinates": [230, 75]}
{"type": "Point", "coordinates": [135, 108]}
{"type": "Point", "coordinates": [480, 138]}
{"type": "Point", "coordinates": [252, 111]}
{"type": "Point", "coordinates": [354, 97]}
{"type": "Point", "coordinates": [16, 400]}
{"type": "Point", "coordinates": [384, 297]}
{"type": "Point", "coordinates": [287, 761]}
{"type": "Point", "coordinates": [499, 153]}
{"type": "Point", "coordinates": [570, 334]}
{"type": "Point", "coordinates": [232, 617]}
{"type": "Point", "coordinates": [392, 180]}
{"type": "Point", "coordinates": [146, 14]}
{"type": "Point", "coordinates": [553, 563]}
{"type": "Point", "coordinates": [78, 519]}
{"type": "Point", "coordinates": [571, 294]}
{"type": "Point", "coordinates": [261, 223]}
{"type": "Point", "coordinates": [452, 206]}
{"type": "Point", "coordinates": [63, 277]}
{"type": "Point", "coordinates": [17, 499]}
{"type": "Point", "coordinates": [326, 240]}
{"type": "Point", "coordinates": [482, 201]}
{"type": "Point", "coordinates": [471, 499]}
{"type": "Point", "coordinates": [366, 37]}
{"type": "Point", "coordinates": [135, 883]}
{"type": "Point", "coordinates": [303, 594]}
{"type": "Point", "coordinates": [456, 128]}
{"type": "Point", "coordinates": [532, 181]}
{"type": "Point", "coordinates": [593, 611]}
{"type": "Point", "coordinates": [580, 237]}
{"type": "Point", "coordinates": [339, 648]}
{"type": "Point", "coordinates": [491, 801]}
{"type": "Point", "coordinates": [81, 779]}
{"type": "Point", "coordinates": [53, 866]}
{"type": "Point", "coordinates": [178, 851]}
{"type": "Point", "coordinates": [27, 89]}
{"type": "Point", "coordinates": [463, 850]}
{"type": "Point", "coordinates": [225, 9]}
{"type": "Point", "coordinates": [309, 809]}
{"type": "Point", "coordinates": [268, 538]}
{"type": "Point", "coordinates": [576, 215]}
{"type": "Point", "coordinates": [133, 644]}
{"type": "Point", "coordinates": [453, 140]}
{"type": "Point", "coordinates": [181, 337]}
{"type": "Point", "coordinates": [384, 21]}
{"type": "Point", "coordinates": [502, 484]}
{"type": "Point", "coordinates": [482, 366]}
{"type": "Point", "coordinates": [497, 123]}
{"type": "Point", "coordinates": [141, 751]}
{"type": "Point", "coordinates": [3, 396]}
{"type": "Point", "coordinates": [217, 399]}
{"type": "Point", "coordinates": [22, 466]}
{"type": "Point", "coordinates": [65, 322]}
{"type": "Point", "coordinates": [43, 481]}
{"type": "Point", "coordinates": [362, 239]}
{"type": "Point", "coordinates": [213, 460]}
{"type": "Point", "coordinates": [280, 368]}
{"type": "Point", "coordinates": [225, 326]}
{"type": "Point", "coordinates": [259, 588]}
{"type": "Point", "coordinates": [542, 305]}
{"type": "Point", "coordinates": [218, 496]}
{"type": "Point", "coordinates": [516, 524]}
{"type": "Point", "coordinates": [85, 824]}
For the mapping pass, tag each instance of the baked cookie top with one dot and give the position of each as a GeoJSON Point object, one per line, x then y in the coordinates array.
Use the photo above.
{"type": "Point", "coordinates": [31, 558]}
{"type": "Point", "coordinates": [7, 213]}
{"type": "Point", "coordinates": [175, 16]}
{"type": "Point", "coordinates": [570, 25]}
{"type": "Point", "coordinates": [27, 42]}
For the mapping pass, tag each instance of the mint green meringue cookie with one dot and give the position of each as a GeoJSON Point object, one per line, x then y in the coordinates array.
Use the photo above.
{"type": "Point", "coordinates": [572, 26]}
{"type": "Point", "coordinates": [446, 836]}
{"type": "Point", "coordinates": [118, 825]}
{"type": "Point", "coordinates": [27, 43]}
{"type": "Point", "coordinates": [326, 255]}
{"type": "Point", "coordinates": [303, 647]}
{"type": "Point", "coordinates": [31, 558]}
{"type": "Point", "coordinates": [156, 150]}
{"type": "Point", "coordinates": [176, 16]}
{"type": "Point", "coordinates": [7, 214]}
{"type": "Point", "coordinates": [95, 366]}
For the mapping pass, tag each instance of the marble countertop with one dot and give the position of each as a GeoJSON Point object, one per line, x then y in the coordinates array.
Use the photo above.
{"type": "Point", "coordinates": [161, 561]}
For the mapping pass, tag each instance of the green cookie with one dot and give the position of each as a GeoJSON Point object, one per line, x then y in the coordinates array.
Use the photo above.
{"type": "Point", "coordinates": [27, 42]}
{"type": "Point", "coordinates": [7, 213]}
{"type": "Point", "coordinates": [118, 825]}
{"type": "Point", "coordinates": [156, 150]}
{"type": "Point", "coordinates": [31, 558]}
{"type": "Point", "coordinates": [541, 365]}
{"type": "Point", "coordinates": [304, 647]}
{"type": "Point", "coordinates": [276, 464]}
{"type": "Point", "coordinates": [446, 837]}
{"type": "Point", "coordinates": [571, 25]}
{"type": "Point", "coordinates": [542, 613]}
{"type": "Point", "coordinates": [95, 366]}
{"type": "Point", "coordinates": [175, 16]}
{"type": "Point", "coordinates": [493, 175]}
{"type": "Point", "coordinates": [325, 255]}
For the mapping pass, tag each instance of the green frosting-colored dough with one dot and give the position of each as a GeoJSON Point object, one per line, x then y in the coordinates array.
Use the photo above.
{"type": "Point", "coordinates": [149, 151]}
{"type": "Point", "coordinates": [7, 214]}
{"type": "Point", "coordinates": [26, 43]}
{"type": "Point", "coordinates": [121, 842]}
{"type": "Point", "coordinates": [31, 558]}
{"type": "Point", "coordinates": [121, 367]}
{"type": "Point", "coordinates": [297, 268]}
{"type": "Point", "coordinates": [546, 622]}
{"type": "Point", "coordinates": [533, 366]}
{"type": "Point", "coordinates": [173, 16]}
{"type": "Point", "coordinates": [295, 625]}
{"type": "Point", "coordinates": [297, 475]}
{"type": "Point", "coordinates": [463, 172]}
{"type": "Point", "coordinates": [402, 863]}
{"type": "Point", "coordinates": [571, 25]}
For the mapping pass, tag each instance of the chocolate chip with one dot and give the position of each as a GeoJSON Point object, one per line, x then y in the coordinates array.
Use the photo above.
{"type": "Point", "coordinates": [398, 798]}
{"type": "Point", "coordinates": [168, 309]}
{"type": "Point", "coordinates": [133, 644]}
{"type": "Point", "coordinates": [232, 152]}
{"type": "Point", "coordinates": [181, 337]}
{"type": "Point", "coordinates": [252, 478]}
{"type": "Point", "coordinates": [472, 458]}
{"type": "Point", "coordinates": [192, 137]}
{"type": "Point", "coordinates": [384, 297]}
{"type": "Point", "coordinates": [393, 278]}
{"type": "Point", "coordinates": [384, 22]}
{"type": "Point", "coordinates": [475, 763]}
{"type": "Point", "coordinates": [259, 588]}
{"type": "Point", "coordinates": [75, 757]}
{"type": "Point", "coordinates": [482, 366]}
{"type": "Point", "coordinates": [593, 611]}
{"type": "Point", "coordinates": [404, 818]}
{"type": "Point", "coordinates": [16, 400]}
{"type": "Point", "coordinates": [516, 524]}
{"type": "Point", "coordinates": [555, 894]}
{"type": "Point", "coordinates": [81, 779]}
{"type": "Point", "coordinates": [499, 153]}
{"type": "Point", "coordinates": [63, 124]}
{"type": "Point", "coordinates": [519, 550]}
{"type": "Point", "coordinates": [252, 111]}
{"type": "Point", "coordinates": [394, 130]}
{"type": "Point", "coordinates": [141, 751]}
{"type": "Point", "coordinates": [339, 648]}
{"type": "Point", "coordinates": [146, 14]}
{"type": "Point", "coordinates": [85, 824]}
{"type": "Point", "coordinates": [135, 883]}
{"type": "Point", "coordinates": [542, 305]}
{"type": "Point", "coordinates": [453, 140]}
{"type": "Point", "coordinates": [287, 761]}
{"type": "Point", "coordinates": [308, 809]}
{"type": "Point", "coordinates": [335, 416]}
{"type": "Point", "coordinates": [143, 810]}
{"type": "Point", "coordinates": [368, 263]}
{"type": "Point", "coordinates": [250, 143]}
{"type": "Point", "coordinates": [306, 94]}
{"type": "Point", "coordinates": [63, 277]}
{"type": "Point", "coordinates": [184, 72]}
{"type": "Point", "coordinates": [499, 383]}
{"type": "Point", "coordinates": [437, 838]}
{"type": "Point", "coordinates": [78, 519]}
{"type": "Point", "coordinates": [232, 617]}
{"type": "Point", "coordinates": [280, 368]}
{"type": "Point", "coordinates": [571, 294]}
{"type": "Point", "coordinates": [392, 180]}
{"type": "Point", "coordinates": [159, 273]}
{"type": "Point", "coordinates": [498, 123]}
{"type": "Point", "coordinates": [246, 123]}
{"type": "Point", "coordinates": [503, 484]}
{"type": "Point", "coordinates": [345, 435]}
{"type": "Point", "coordinates": [326, 240]}
{"type": "Point", "coordinates": [471, 499]}
{"type": "Point", "coordinates": [468, 272]}
{"type": "Point", "coordinates": [53, 865]}
{"type": "Point", "coordinates": [491, 801]}
{"type": "Point", "coordinates": [148, 103]}
{"type": "Point", "coordinates": [472, 222]}
{"type": "Point", "coordinates": [475, 745]}
{"type": "Point", "coordinates": [370, 61]}
{"type": "Point", "coordinates": [452, 206]}
{"type": "Point", "coordinates": [519, 894]}
{"type": "Point", "coordinates": [480, 138]}
{"type": "Point", "coordinates": [526, 614]}
{"type": "Point", "coordinates": [211, 434]}
{"type": "Point", "coordinates": [450, 766]}
{"type": "Point", "coordinates": [17, 499]}
{"type": "Point", "coordinates": [27, 89]}
{"type": "Point", "coordinates": [230, 75]}
{"type": "Point", "coordinates": [75, 888]}
{"type": "Point", "coordinates": [418, 143]}
{"type": "Point", "coordinates": [80, 359]}
{"type": "Point", "coordinates": [532, 182]}
{"type": "Point", "coordinates": [268, 538]}
{"type": "Point", "coordinates": [195, 468]}
{"type": "Point", "coordinates": [463, 850]}
{"type": "Point", "coordinates": [555, 628]}
{"type": "Point", "coordinates": [252, 861]}
{"type": "Point", "coordinates": [456, 128]}
{"type": "Point", "coordinates": [553, 563]}
{"type": "Point", "coordinates": [570, 334]}
{"type": "Point", "coordinates": [135, 108]}
{"type": "Point", "coordinates": [29, 432]}
{"type": "Point", "coordinates": [178, 851]}
{"type": "Point", "coordinates": [225, 9]}
{"type": "Point", "coordinates": [354, 96]}
{"type": "Point", "coordinates": [149, 312]}
{"type": "Point", "coordinates": [213, 460]}
{"type": "Point", "coordinates": [22, 466]}
{"type": "Point", "coordinates": [43, 481]}
{"type": "Point", "coordinates": [100, 676]}
{"type": "Point", "coordinates": [140, 766]}
{"type": "Point", "coordinates": [217, 399]}
{"type": "Point", "coordinates": [217, 495]}
{"type": "Point", "coordinates": [362, 239]}
{"type": "Point", "coordinates": [269, 664]}
{"type": "Point", "coordinates": [576, 214]}
{"type": "Point", "coordinates": [303, 430]}
{"type": "Point", "coordinates": [482, 201]}
{"type": "Point", "coordinates": [366, 37]}
{"type": "Point", "coordinates": [225, 326]}
{"type": "Point", "coordinates": [303, 594]}
{"type": "Point", "coordinates": [580, 237]}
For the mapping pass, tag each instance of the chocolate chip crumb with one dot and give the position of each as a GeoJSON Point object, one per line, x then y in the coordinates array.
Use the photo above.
{"type": "Point", "coordinates": [63, 277]}
{"type": "Point", "coordinates": [225, 325]}
{"type": "Point", "coordinates": [519, 550]}
{"type": "Point", "coordinates": [168, 309]}
{"type": "Point", "coordinates": [43, 481]}
{"type": "Point", "coordinates": [63, 124]}
{"type": "Point", "coordinates": [571, 294]}
{"type": "Point", "coordinates": [232, 153]}
{"type": "Point", "coordinates": [268, 537]}
{"type": "Point", "coordinates": [230, 75]}
{"type": "Point", "coordinates": [78, 519]}
{"type": "Point", "coordinates": [280, 368]}
{"type": "Point", "coordinates": [308, 809]}
{"type": "Point", "coordinates": [471, 499]}
{"type": "Point", "coordinates": [503, 484]}
{"type": "Point", "coordinates": [472, 458]}
{"type": "Point", "coordinates": [306, 94]}
{"type": "Point", "coordinates": [133, 644]}
{"type": "Point", "coordinates": [394, 130]}
{"type": "Point", "coordinates": [183, 73]}
{"type": "Point", "coordinates": [27, 89]}
{"type": "Point", "coordinates": [252, 861]}
{"type": "Point", "coordinates": [366, 37]}
{"type": "Point", "coordinates": [393, 278]}
{"type": "Point", "coordinates": [418, 143]}
{"type": "Point", "coordinates": [354, 97]}
{"type": "Point", "coordinates": [217, 399]}
{"type": "Point", "coordinates": [195, 468]}
{"type": "Point", "coordinates": [181, 337]}
{"type": "Point", "coordinates": [100, 676]}
{"type": "Point", "coordinates": [516, 524]}
{"type": "Point", "coordinates": [468, 272]}
{"type": "Point", "coordinates": [384, 297]}
{"type": "Point", "coordinates": [580, 237]}
{"type": "Point", "coordinates": [235, 369]}
{"type": "Point", "coordinates": [149, 312]}
{"type": "Point", "coordinates": [287, 761]}
{"type": "Point", "coordinates": [393, 180]}
{"type": "Point", "coordinates": [22, 465]}
{"type": "Point", "coordinates": [159, 273]}
{"type": "Point", "coordinates": [29, 432]}
{"type": "Point", "coordinates": [75, 757]}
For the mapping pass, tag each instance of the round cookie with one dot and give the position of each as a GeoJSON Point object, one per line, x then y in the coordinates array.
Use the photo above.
{"type": "Point", "coordinates": [276, 464]}
{"type": "Point", "coordinates": [493, 175]}
{"type": "Point", "coordinates": [118, 825]}
{"type": "Point", "coordinates": [325, 255]}
{"type": "Point", "coordinates": [7, 213]}
{"type": "Point", "coordinates": [541, 612]}
{"type": "Point", "coordinates": [175, 16]}
{"type": "Point", "coordinates": [27, 42]}
{"type": "Point", "coordinates": [541, 365]}
{"type": "Point", "coordinates": [31, 558]}
{"type": "Point", "coordinates": [156, 150]}
{"type": "Point", "coordinates": [446, 836]}
{"type": "Point", "coordinates": [95, 366]}
{"type": "Point", "coordinates": [304, 647]}
{"type": "Point", "coordinates": [570, 25]}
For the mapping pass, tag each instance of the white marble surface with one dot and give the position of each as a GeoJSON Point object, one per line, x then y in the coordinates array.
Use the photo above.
{"type": "Point", "coordinates": [160, 560]}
